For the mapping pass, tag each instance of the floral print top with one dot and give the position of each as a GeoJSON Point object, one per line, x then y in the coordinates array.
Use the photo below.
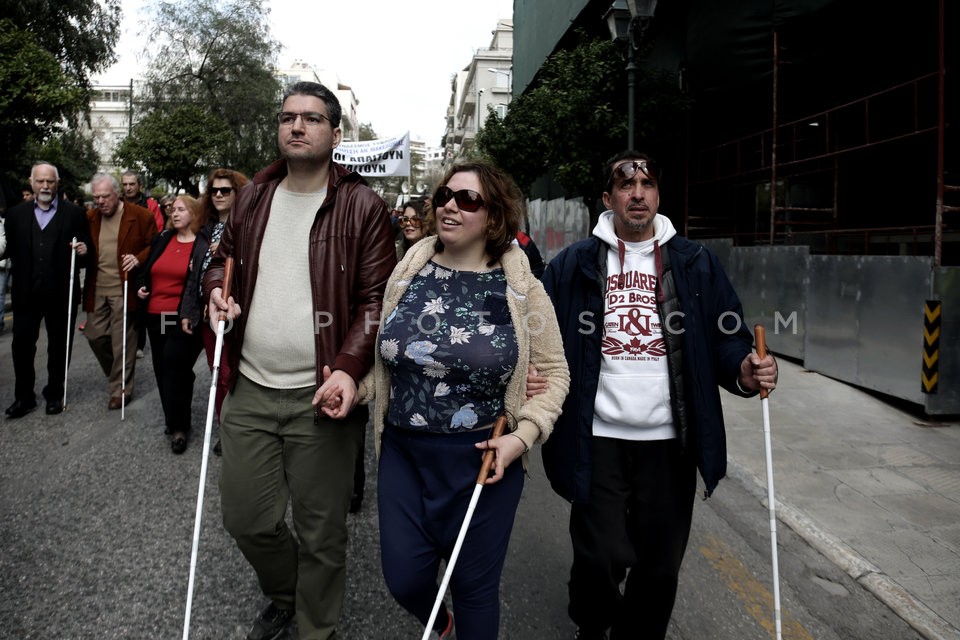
{"type": "Point", "coordinates": [450, 348]}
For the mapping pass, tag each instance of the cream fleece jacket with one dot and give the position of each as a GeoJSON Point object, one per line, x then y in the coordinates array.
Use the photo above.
{"type": "Point", "coordinates": [538, 341]}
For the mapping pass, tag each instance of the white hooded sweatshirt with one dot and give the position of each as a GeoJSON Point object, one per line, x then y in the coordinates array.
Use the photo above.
{"type": "Point", "coordinates": [633, 397]}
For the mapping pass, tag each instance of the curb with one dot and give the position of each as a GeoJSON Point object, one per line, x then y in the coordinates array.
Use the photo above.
{"type": "Point", "coordinates": [914, 612]}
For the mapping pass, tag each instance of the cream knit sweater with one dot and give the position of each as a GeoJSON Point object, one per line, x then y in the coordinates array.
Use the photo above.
{"type": "Point", "coordinates": [538, 341]}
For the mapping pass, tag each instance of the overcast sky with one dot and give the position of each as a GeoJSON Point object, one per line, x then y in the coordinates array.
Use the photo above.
{"type": "Point", "coordinates": [397, 56]}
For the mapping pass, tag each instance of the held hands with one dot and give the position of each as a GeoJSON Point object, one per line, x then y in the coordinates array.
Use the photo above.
{"type": "Point", "coordinates": [337, 396]}
{"type": "Point", "coordinates": [506, 448]}
{"type": "Point", "coordinates": [756, 373]}
{"type": "Point", "coordinates": [218, 304]}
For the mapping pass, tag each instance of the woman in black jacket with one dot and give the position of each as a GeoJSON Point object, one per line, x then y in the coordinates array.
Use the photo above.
{"type": "Point", "coordinates": [174, 342]}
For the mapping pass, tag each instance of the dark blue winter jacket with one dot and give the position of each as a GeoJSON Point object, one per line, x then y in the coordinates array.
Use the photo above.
{"type": "Point", "coordinates": [715, 342]}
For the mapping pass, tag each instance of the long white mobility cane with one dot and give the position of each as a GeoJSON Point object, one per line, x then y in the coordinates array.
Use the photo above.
{"type": "Point", "coordinates": [66, 365]}
{"type": "Point", "coordinates": [761, 338]}
{"type": "Point", "coordinates": [123, 378]}
{"type": "Point", "coordinates": [498, 428]}
{"type": "Point", "coordinates": [211, 404]}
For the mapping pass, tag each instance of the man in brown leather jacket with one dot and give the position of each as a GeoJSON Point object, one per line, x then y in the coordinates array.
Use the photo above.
{"type": "Point", "coordinates": [121, 234]}
{"type": "Point", "coordinates": [312, 249]}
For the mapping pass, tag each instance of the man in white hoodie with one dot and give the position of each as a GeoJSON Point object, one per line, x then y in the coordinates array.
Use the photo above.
{"type": "Point", "coordinates": [652, 328]}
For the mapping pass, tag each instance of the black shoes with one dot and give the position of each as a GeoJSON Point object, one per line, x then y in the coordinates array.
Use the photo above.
{"type": "Point", "coordinates": [19, 409]}
{"type": "Point", "coordinates": [178, 444]}
{"type": "Point", "coordinates": [218, 449]}
{"type": "Point", "coordinates": [584, 634]}
{"type": "Point", "coordinates": [271, 623]}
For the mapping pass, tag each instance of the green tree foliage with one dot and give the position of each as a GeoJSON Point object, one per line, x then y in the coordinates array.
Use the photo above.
{"type": "Point", "coordinates": [574, 118]}
{"type": "Point", "coordinates": [180, 144]}
{"type": "Point", "coordinates": [80, 34]}
{"type": "Point", "coordinates": [74, 154]}
{"type": "Point", "coordinates": [48, 51]}
{"type": "Point", "coordinates": [37, 96]}
{"type": "Point", "coordinates": [216, 58]}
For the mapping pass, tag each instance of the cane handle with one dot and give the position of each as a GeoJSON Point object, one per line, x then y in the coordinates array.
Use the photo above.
{"type": "Point", "coordinates": [227, 281]}
{"type": "Point", "coordinates": [761, 336]}
{"type": "Point", "coordinates": [498, 428]}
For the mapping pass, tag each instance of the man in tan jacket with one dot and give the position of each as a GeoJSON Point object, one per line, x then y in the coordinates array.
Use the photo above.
{"type": "Point", "coordinates": [121, 234]}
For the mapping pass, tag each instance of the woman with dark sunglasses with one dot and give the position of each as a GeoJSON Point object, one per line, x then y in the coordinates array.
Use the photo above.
{"type": "Point", "coordinates": [414, 224]}
{"type": "Point", "coordinates": [463, 318]}
{"type": "Point", "coordinates": [222, 187]}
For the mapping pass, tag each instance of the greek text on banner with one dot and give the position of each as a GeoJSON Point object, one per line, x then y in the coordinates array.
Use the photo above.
{"type": "Point", "coordinates": [381, 158]}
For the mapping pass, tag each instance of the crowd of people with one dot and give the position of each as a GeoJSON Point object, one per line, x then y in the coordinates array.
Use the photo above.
{"type": "Point", "coordinates": [433, 323]}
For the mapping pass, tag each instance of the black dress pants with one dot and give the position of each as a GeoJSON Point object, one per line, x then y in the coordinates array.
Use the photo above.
{"type": "Point", "coordinates": [174, 353]}
{"type": "Point", "coordinates": [27, 317]}
{"type": "Point", "coordinates": [638, 518]}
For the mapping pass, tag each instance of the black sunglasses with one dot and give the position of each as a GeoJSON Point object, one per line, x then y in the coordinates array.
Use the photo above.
{"type": "Point", "coordinates": [224, 191]}
{"type": "Point", "coordinates": [466, 199]}
{"type": "Point", "coordinates": [628, 169]}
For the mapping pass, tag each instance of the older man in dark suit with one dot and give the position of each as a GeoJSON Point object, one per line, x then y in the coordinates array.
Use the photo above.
{"type": "Point", "coordinates": [121, 234]}
{"type": "Point", "coordinates": [40, 235]}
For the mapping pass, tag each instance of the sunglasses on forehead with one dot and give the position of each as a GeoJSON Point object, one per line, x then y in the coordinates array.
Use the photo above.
{"type": "Point", "coordinates": [466, 199]}
{"type": "Point", "coordinates": [628, 169]}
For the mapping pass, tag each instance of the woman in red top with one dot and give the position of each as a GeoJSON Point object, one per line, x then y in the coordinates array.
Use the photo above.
{"type": "Point", "coordinates": [174, 343]}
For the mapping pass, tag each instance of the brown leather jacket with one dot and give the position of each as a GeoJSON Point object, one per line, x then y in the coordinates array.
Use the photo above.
{"type": "Point", "coordinates": [352, 253]}
{"type": "Point", "coordinates": [137, 229]}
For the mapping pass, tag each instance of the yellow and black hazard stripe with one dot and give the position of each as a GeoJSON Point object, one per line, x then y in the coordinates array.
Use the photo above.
{"type": "Point", "coordinates": [932, 317]}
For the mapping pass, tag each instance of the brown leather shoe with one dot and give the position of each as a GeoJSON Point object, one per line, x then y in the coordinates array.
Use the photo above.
{"type": "Point", "coordinates": [115, 403]}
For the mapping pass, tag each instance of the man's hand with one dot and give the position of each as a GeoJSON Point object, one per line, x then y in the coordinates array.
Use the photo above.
{"type": "Point", "coordinates": [186, 326]}
{"type": "Point", "coordinates": [536, 384]}
{"type": "Point", "coordinates": [129, 262]}
{"type": "Point", "coordinates": [756, 373]}
{"type": "Point", "coordinates": [81, 248]}
{"type": "Point", "coordinates": [337, 396]}
{"type": "Point", "coordinates": [218, 304]}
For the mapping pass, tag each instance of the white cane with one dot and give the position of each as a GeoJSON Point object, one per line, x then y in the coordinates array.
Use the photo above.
{"type": "Point", "coordinates": [211, 404]}
{"type": "Point", "coordinates": [66, 365]}
{"type": "Point", "coordinates": [498, 428]}
{"type": "Point", "coordinates": [761, 338]}
{"type": "Point", "coordinates": [123, 377]}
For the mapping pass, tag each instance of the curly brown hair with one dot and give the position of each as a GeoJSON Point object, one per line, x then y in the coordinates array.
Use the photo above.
{"type": "Point", "coordinates": [503, 200]}
{"type": "Point", "coordinates": [237, 181]}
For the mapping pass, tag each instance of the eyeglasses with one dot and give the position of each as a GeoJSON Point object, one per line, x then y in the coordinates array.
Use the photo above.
{"type": "Point", "coordinates": [466, 199]}
{"type": "Point", "coordinates": [223, 191]}
{"type": "Point", "coordinates": [309, 118]}
{"type": "Point", "coordinates": [409, 222]}
{"type": "Point", "coordinates": [627, 170]}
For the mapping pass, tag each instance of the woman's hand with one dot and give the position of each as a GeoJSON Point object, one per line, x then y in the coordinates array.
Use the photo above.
{"type": "Point", "coordinates": [186, 326]}
{"type": "Point", "coordinates": [142, 293]}
{"type": "Point", "coordinates": [506, 448]}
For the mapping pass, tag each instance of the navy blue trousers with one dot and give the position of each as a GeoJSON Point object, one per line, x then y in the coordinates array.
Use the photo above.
{"type": "Point", "coordinates": [424, 487]}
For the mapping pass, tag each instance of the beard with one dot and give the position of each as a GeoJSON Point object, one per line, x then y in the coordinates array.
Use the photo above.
{"type": "Point", "coordinates": [45, 198]}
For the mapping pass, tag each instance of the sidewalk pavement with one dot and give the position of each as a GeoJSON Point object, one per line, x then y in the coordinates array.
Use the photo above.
{"type": "Point", "coordinates": [872, 487]}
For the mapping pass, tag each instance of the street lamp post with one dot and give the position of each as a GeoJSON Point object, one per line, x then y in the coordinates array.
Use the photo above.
{"type": "Point", "coordinates": [628, 21]}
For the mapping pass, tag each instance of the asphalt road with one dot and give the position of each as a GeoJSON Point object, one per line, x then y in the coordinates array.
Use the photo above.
{"type": "Point", "coordinates": [97, 517]}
